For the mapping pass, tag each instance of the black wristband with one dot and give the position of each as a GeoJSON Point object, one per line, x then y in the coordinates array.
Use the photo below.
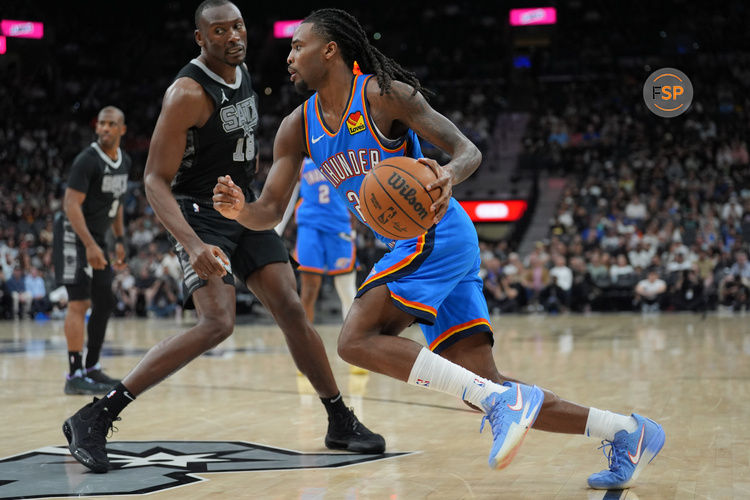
{"type": "Point", "coordinates": [120, 239]}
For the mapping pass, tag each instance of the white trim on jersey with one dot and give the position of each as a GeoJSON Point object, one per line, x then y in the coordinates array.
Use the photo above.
{"type": "Point", "coordinates": [217, 78]}
{"type": "Point", "coordinates": [106, 158]}
{"type": "Point", "coordinates": [386, 141]}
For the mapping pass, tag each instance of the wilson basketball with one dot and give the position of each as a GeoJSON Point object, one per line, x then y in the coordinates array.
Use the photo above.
{"type": "Point", "coordinates": [394, 200]}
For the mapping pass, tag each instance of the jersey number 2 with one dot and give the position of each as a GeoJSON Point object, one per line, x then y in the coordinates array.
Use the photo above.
{"type": "Point", "coordinates": [353, 198]}
{"type": "Point", "coordinates": [324, 194]}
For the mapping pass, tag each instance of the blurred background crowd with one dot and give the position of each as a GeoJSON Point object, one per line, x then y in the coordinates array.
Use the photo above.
{"type": "Point", "coordinates": [627, 211]}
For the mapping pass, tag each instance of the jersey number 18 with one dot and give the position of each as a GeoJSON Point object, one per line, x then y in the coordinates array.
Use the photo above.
{"type": "Point", "coordinates": [245, 150]}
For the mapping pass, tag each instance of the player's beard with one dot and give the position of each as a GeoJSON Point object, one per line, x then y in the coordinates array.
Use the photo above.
{"type": "Point", "coordinates": [301, 87]}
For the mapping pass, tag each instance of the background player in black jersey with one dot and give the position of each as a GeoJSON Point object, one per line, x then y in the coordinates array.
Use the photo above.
{"type": "Point", "coordinates": [93, 201]}
{"type": "Point", "coordinates": [207, 129]}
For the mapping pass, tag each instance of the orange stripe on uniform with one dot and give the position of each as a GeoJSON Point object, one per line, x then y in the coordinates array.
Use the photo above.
{"type": "Point", "coordinates": [308, 269]}
{"type": "Point", "coordinates": [346, 112]}
{"type": "Point", "coordinates": [307, 132]}
{"type": "Point", "coordinates": [456, 329]}
{"type": "Point", "coordinates": [399, 265]}
{"type": "Point", "coordinates": [296, 207]}
{"type": "Point", "coordinates": [414, 305]}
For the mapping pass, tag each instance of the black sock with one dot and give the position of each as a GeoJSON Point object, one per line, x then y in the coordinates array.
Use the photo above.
{"type": "Point", "coordinates": [102, 305]}
{"type": "Point", "coordinates": [75, 361]}
{"type": "Point", "coordinates": [334, 405]}
{"type": "Point", "coordinates": [116, 401]}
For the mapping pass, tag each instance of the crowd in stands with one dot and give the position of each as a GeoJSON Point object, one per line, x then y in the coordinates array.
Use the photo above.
{"type": "Point", "coordinates": [647, 221]}
{"type": "Point", "coordinates": [656, 213]}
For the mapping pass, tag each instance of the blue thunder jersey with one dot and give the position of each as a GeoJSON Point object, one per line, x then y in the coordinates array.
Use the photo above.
{"type": "Point", "coordinates": [435, 276]}
{"type": "Point", "coordinates": [345, 156]}
{"type": "Point", "coordinates": [319, 205]}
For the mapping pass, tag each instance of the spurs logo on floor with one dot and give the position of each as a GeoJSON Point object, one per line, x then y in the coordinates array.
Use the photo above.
{"type": "Point", "coordinates": [140, 467]}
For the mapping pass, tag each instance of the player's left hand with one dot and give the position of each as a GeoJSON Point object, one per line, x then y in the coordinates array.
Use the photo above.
{"type": "Point", "coordinates": [444, 182]}
{"type": "Point", "coordinates": [119, 264]}
{"type": "Point", "coordinates": [228, 198]}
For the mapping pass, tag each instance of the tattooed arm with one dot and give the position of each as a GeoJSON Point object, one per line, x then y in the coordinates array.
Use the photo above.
{"type": "Point", "coordinates": [400, 109]}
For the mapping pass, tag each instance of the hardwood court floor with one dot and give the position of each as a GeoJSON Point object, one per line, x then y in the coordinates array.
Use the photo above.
{"type": "Point", "coordinates": [688, 373]}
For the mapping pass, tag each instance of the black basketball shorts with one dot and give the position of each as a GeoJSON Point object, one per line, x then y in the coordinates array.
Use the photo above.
{"type": "Point", "coordinates": [247, 250]}
{"type": "Point", "coordinates": [71, 268]}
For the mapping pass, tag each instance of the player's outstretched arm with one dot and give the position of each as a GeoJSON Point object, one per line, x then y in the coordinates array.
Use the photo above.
{"type": "Point", "coordinates": [268, 209]}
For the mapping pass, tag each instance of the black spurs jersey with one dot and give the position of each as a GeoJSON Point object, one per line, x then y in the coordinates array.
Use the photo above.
{"type": "Point", "coordinates": [226, 143]}
{"type": "Point", "coordinates": [104, 181]}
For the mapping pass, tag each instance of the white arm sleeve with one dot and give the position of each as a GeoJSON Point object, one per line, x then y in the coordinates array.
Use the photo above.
{"type": "Point", "coordinates": [289, 211]}
{"type": "Point", "coordinates": [346, 287]}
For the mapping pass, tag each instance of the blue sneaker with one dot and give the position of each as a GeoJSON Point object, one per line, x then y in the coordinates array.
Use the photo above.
{"type": "Point", "coordinates": [628, 454]}
{"type": "Point", "coordinates": [511, 415]}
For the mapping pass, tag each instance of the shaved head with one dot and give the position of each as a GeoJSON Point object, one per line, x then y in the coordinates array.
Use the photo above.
{"type": "Point", "coordinates": [207, 4]}
{"type": "Point", "coordinates": [115, 110]}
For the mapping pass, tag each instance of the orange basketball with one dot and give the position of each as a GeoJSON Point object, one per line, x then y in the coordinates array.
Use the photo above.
{"type": "Point", "coordinates": [393, 198]}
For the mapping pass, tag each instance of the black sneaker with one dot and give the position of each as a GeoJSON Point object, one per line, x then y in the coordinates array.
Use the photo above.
{"type": "Point", "coordinates": [86, 432]}
{"type": "Point", "coordinates": [96, 374]}
{"type": "Point", "coordinates": [78, 384]}
{"type": "Point", "coordinates": [346, 432]}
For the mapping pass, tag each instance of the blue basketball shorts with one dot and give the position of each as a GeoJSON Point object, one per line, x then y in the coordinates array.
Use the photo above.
{"type": "Point", "coordinates": [324, 252]}
{"type": "Point", "coordinates": [435, 278]}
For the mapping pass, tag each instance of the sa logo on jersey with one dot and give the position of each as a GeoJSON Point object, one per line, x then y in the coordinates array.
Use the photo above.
{"type": "Point", "coordinates": [355, 123]}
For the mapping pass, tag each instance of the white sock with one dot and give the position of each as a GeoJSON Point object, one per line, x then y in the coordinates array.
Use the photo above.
{"type": "Point", "coordinates": [604, 424]}
{"type": "Point", "coordinates": [346, 287]}
{"type": "Point", "coordinates": [434, 372]}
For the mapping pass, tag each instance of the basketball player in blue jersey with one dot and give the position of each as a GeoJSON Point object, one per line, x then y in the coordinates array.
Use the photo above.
{"type": "Point", "coordinates": [347, 126]}
{"type": "Point", "coordinates": [325, 242]}
{"type": "Point", "coordinates": [207, 128]}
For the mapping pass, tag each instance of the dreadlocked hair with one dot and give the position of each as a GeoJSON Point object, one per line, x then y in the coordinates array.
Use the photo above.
{"type": "Point", "coordinates": [341, 27]}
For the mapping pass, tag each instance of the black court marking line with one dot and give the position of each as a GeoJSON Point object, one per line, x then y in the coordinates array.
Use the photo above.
{"type": "Point", "coordinates": [578, 338]}
{"type": "Point", "coordinates": [295, 393]}
{"type": "Point", "coordinates": [114, 351]}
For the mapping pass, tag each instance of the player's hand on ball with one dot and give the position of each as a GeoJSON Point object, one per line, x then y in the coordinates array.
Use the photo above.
{"type": "Point", "coordinates": [444, 182]}
{"type": "Point", "coordinates": [228, 198]}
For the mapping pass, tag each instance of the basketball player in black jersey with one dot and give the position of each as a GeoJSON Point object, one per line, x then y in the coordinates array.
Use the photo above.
{"type": "Point", "coordinates": [206, 129]}
{"type": "Point", "coordinates": [93, 202]}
